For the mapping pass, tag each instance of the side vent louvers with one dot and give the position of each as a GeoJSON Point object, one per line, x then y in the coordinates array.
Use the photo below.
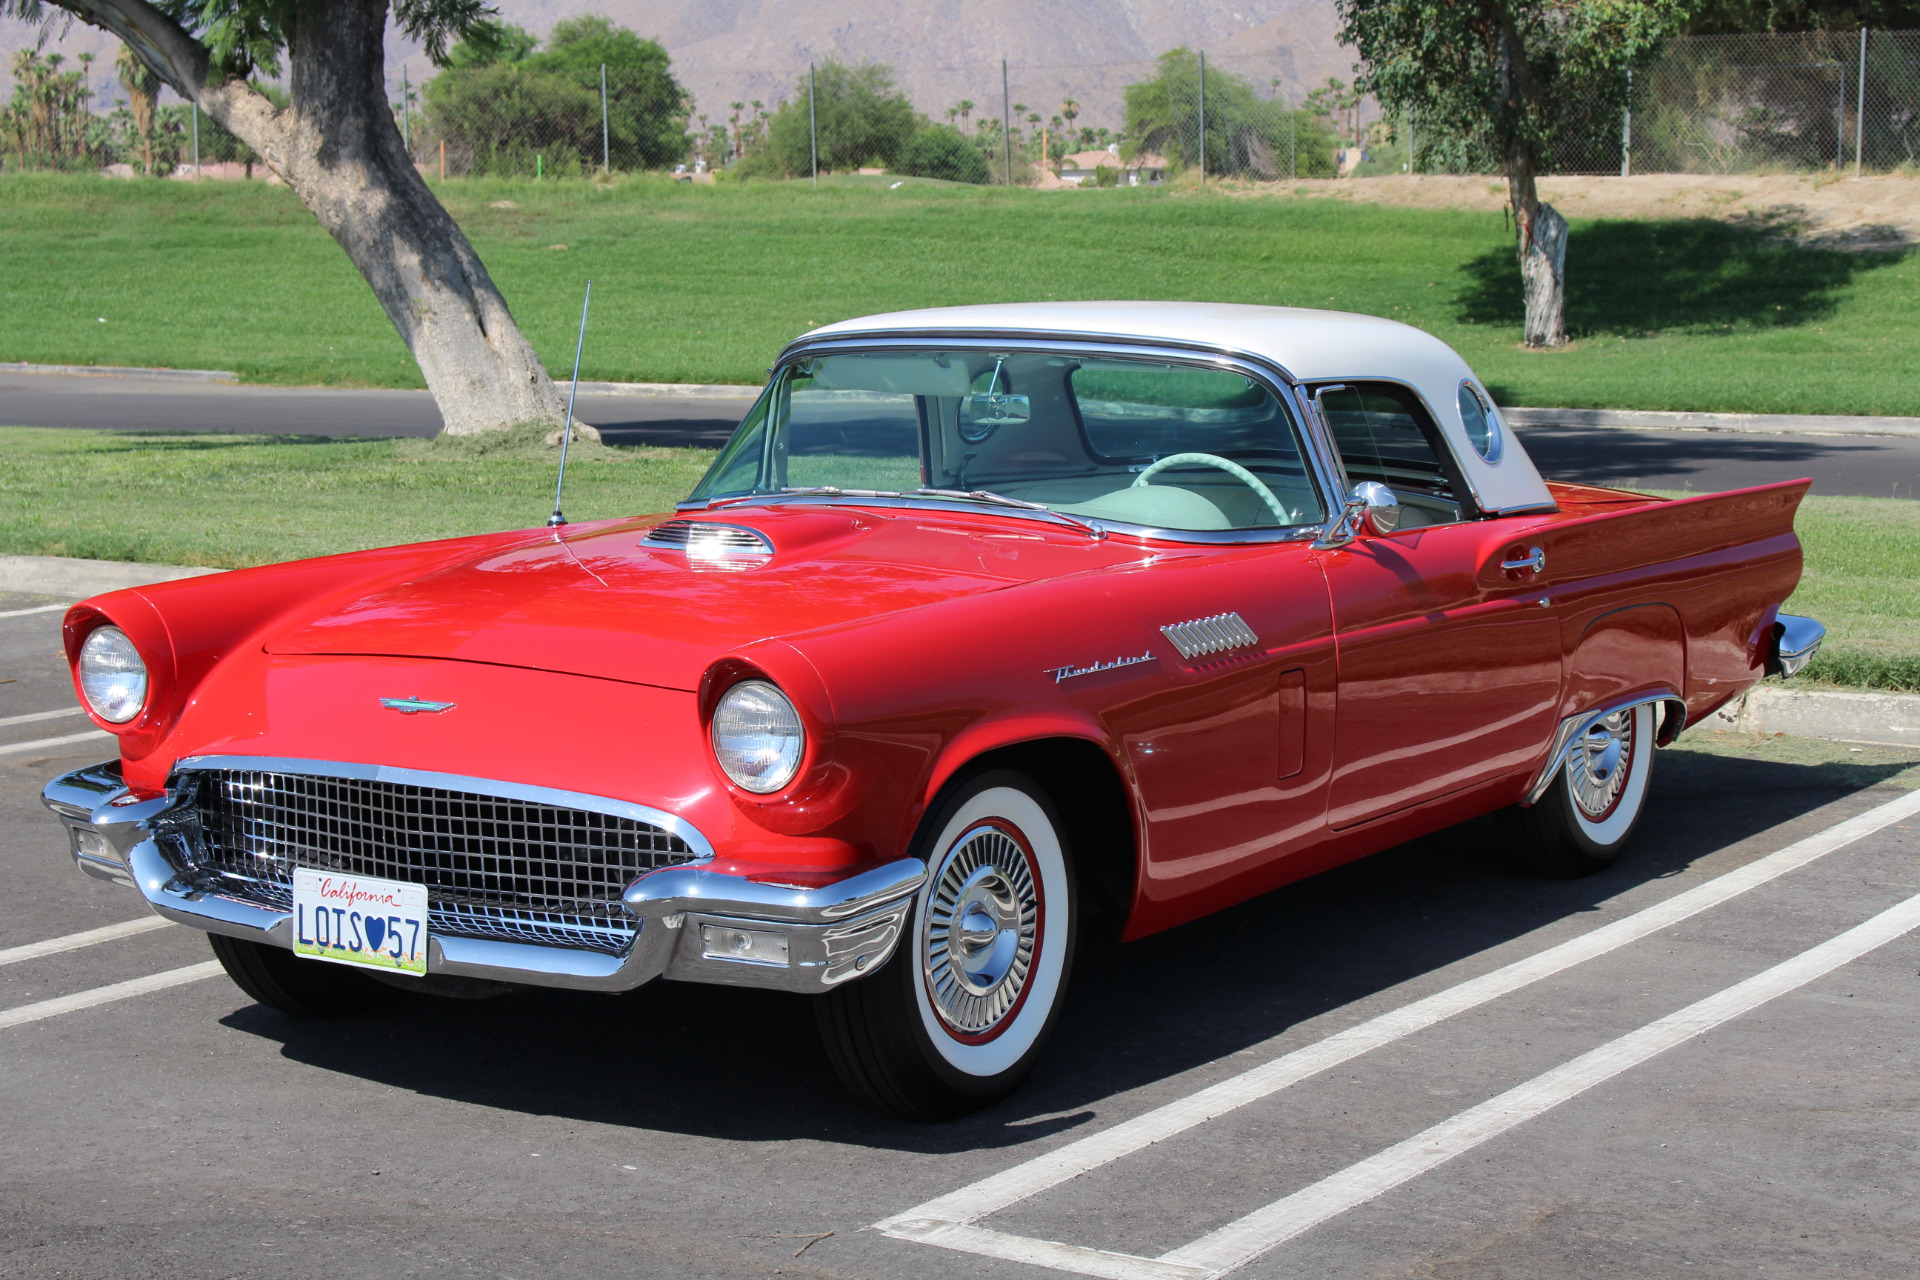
{"type": "Point", "coordinates": [705, 540]}
{"type": "Point", "coordinates": [1217, 634]}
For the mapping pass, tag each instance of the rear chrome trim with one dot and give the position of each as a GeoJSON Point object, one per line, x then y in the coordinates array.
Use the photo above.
{"type": "Point", "coordinates": [1795, 641]}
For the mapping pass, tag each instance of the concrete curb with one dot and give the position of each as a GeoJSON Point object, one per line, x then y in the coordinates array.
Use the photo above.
{"type": "Point", "coordinates": [662, 390]}
{"type": "Point", "coordinates": [1767, 424]}
{"type": "Point", "coordinates": [121, 371]}
{"type": "Point", "coordinates": [1883, 719]}
{"type": "Point", "coordinates": [77, 579]}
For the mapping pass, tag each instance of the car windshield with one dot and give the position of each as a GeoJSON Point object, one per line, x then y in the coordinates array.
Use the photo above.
{"type": "Point", "coordinates": [1158, 444]}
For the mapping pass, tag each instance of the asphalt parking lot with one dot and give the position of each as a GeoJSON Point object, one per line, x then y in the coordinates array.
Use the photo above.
{"type": "Point", "coordinates": [1414, 1066]}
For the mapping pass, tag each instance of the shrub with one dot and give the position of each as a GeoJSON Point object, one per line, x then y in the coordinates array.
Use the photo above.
{"type": "Point", "coordinates": [942, 151]}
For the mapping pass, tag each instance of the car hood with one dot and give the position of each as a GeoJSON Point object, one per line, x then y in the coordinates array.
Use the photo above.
{"type": "Point", "coordinates": [602, 600]}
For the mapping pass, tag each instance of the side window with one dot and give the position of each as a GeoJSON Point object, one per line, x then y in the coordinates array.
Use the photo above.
{"type": "Point", "coordinates": [1381, 434]}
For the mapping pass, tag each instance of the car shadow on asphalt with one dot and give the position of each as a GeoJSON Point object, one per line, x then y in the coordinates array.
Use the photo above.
{"type": "Point", "coordinates": [744, 1066]}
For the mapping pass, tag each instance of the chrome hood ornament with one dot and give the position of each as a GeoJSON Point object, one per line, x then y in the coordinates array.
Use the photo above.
{"type": "Point", "coordinates": [414, 706]}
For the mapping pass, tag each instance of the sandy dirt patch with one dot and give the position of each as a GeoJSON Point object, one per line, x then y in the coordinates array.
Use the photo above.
{"type": "Point", "coordinates": [1869, 212]}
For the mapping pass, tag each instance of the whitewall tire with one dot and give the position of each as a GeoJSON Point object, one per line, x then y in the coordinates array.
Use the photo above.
{"type": "Point", "coordinates": [955, 1019]}
{"type": "Point", "coordinates": [1598, 795]}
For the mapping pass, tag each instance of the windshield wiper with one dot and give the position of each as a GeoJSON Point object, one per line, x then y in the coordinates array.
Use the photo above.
{"type": "Point", "coordinates": [1092, 527]}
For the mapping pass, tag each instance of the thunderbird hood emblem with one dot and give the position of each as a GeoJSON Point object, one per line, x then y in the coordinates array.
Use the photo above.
{"type": "Point", "coordinates": [414, 706]}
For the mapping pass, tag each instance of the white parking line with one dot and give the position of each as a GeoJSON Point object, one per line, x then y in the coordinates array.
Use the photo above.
{"type": "Point", "coordinates": [31, 716]}
{"type": "Point", "coordinates": [14, 747]}
{"type": "Point", "coordinates": [990, 1195]}
{"type": "Point", "coordinates": [42, 608]}
{"type": "Point", "coordinates": [87, 938]}
{"type": "Point", "coordinates": [1238, 1243]}
{"type": "Point", "coordinates": [106, 995]}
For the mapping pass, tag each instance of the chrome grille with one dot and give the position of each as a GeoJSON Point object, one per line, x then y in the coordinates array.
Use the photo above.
{"type": "Point", "coordinates": [702, 537]}
{"type": "Point", "coordinates": [494, 866]}
{"type": "Point", "coordinates": [1217, 634]}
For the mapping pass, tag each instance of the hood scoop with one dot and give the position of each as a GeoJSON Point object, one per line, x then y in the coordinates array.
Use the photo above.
{"type": "Point", "coordinates": [709, 541]}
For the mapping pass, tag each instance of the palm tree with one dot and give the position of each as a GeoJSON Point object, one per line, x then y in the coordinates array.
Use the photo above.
{"type": "Point", "coordinates": [965, 109]}
{"type": "Point", "coordinates": [143, 89]}
{"type": "Point", "coordinates": [1071, 110]}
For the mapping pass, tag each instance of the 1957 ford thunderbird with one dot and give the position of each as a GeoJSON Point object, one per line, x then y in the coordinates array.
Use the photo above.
{"type": "Point", "coordinates": [987, 619]}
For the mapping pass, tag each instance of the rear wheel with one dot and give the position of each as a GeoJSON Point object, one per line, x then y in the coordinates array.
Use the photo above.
{"type": "Point", "coordinates": [957, 1017]}
{"type": "Point", "coordinates": [277, 978]}
{"type": "Point", "coordinates": [1586, 817]}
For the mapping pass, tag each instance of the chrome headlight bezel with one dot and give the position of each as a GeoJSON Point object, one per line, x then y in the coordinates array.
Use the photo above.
{"type": "Point", "coordinates": [757, 736]}
{"type": "Point", "coordinates": [112, 675]}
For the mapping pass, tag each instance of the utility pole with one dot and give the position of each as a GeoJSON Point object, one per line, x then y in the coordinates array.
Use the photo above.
{"type": "Point", "coordinates": [406, 114]}
{"type": "Point", "coordinates": [605, 154]}
{"type": "Point", "coordinates": [1412, 150]}
{"type": "Point", "coordinates": [1293, 122]}
{"type": "Point", "coordinates": [196, 140]}
{"type": "Point", "coordinates": [1860, 107]}
{"type": "Point", "coordinates": [813, 129]}
{"type": "Point", "coordinates": [1626, 131]}
{"type": "Point", "coordinates": [1006, 123]}
{"type": "Point", "coordinates": [1203, 117]}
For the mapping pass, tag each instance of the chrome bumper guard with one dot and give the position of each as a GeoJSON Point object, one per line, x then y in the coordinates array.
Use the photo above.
{"type": "Point", "coordinates": [696, 925]}
{"type": "Point", "coordinates": [1795, 641]}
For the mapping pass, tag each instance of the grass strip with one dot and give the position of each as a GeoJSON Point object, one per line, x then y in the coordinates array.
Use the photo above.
{"type": "Point", "coordinates": [706, 283]}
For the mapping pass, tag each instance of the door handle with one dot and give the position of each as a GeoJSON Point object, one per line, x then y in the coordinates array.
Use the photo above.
{"type": "Point", "coordinates": [1535, 562]}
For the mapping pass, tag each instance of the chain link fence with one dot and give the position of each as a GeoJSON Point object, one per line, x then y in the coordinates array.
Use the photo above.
{"type": "Point", "coordinates": [1708, 105]}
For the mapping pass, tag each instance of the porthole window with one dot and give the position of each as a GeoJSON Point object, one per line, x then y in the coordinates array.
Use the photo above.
{"type": "Point", "coordinates": [1482, 424]}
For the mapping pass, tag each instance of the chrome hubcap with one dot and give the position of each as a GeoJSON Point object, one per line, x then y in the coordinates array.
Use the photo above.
{"type": "Point", "coordinates": [982, 923]}
{"type": "Point", "coordinates": [1599, 763]}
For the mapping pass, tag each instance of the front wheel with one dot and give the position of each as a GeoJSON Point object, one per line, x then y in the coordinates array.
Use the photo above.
{"type": "Point", "coordinates": [1586, 817]}
{"type": "Point", "coordinates": [955, 1019]}
{"type": "Point", "coordinates": [277, 978]}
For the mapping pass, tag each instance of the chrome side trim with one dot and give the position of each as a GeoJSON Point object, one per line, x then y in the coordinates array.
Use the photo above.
{"type": "Point", "coordinates": [457, 782]}
{"type": "Point", "coordinates": [1795, 641]}
{"type": "Point", "coordinates": [1574, 726]}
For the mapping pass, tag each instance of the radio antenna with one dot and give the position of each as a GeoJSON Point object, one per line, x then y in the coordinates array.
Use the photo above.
{"type": "Point", "coordinates": [555, 520]}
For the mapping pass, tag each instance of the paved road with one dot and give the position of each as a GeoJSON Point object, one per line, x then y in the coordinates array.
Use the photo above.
{"type": "Point", "coordinates": [691, 1131]}
{"type": "Point", "coordinates": [1874, 466]}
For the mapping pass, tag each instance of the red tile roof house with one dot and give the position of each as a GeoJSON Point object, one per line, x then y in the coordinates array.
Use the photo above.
{"type": "Point", "coordinates": [1143, 170]}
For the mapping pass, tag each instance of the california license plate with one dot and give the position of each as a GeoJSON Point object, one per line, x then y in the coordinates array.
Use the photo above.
{"type": "Point", "coordinates": [358, 920]}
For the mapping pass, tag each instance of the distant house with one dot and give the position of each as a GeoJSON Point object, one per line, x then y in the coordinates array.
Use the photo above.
{"type": "Point", "coordinates": [1143, 170]}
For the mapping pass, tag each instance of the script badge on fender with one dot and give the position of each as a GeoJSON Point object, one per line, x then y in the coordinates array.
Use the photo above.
{"type": "Point", "coordinates": [358, 920]}
{"type": "Point", "coordinates": [414, 706]}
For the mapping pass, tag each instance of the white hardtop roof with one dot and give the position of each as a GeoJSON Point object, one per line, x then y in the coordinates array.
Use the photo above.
{"type": "Point", "coordinates": [1313, 346]}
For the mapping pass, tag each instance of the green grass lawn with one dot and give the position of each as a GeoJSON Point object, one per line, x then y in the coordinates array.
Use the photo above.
{"type": "Point", "coordinates": [228, 501]}
{"type": "Point", "coordinates": [705, 283]}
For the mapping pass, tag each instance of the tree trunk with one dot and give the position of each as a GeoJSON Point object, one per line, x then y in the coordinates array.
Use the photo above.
{"type": "Point", "coordinates": [338, 148]}
{"type": "Point", "coordinates": [1542, 250]}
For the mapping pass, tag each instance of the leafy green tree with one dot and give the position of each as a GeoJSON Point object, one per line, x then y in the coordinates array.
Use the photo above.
{"type": "Point", "coordinates": [336, 144]}
{"type": "Point", "coordinates": [861, 115]}
{"type": "Point", "coordinates": [1509, 71]}
{"type": "Point", "coordinates": [942, 151]}
{"type": "Point", "coordinates": [502, 100]}
{"type": "Point", "coordinates": [1726, 17]}
{"type": "Point", "coordinates": [1245, 133]}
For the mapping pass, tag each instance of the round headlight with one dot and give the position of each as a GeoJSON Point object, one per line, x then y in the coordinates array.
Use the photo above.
{"type": "Point", "coordinates": [112, 676]}
{"type": "Point", "coordinates": [757, 736]}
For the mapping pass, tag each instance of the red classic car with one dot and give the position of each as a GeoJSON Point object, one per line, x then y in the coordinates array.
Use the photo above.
{"type": "Point", "coordinates": [986, 620]}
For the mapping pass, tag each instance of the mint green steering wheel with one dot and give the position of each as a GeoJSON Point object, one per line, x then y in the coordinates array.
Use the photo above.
{"type": "Point", "coordinates": [1227, 465]}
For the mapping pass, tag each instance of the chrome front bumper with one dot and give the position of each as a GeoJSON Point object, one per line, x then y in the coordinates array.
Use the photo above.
{"type": "Point", "coordinates": [695, 925]}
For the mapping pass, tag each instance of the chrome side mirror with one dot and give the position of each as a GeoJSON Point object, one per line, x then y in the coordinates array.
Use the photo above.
{"type": "Point", "coordinates": [1373, 509]}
